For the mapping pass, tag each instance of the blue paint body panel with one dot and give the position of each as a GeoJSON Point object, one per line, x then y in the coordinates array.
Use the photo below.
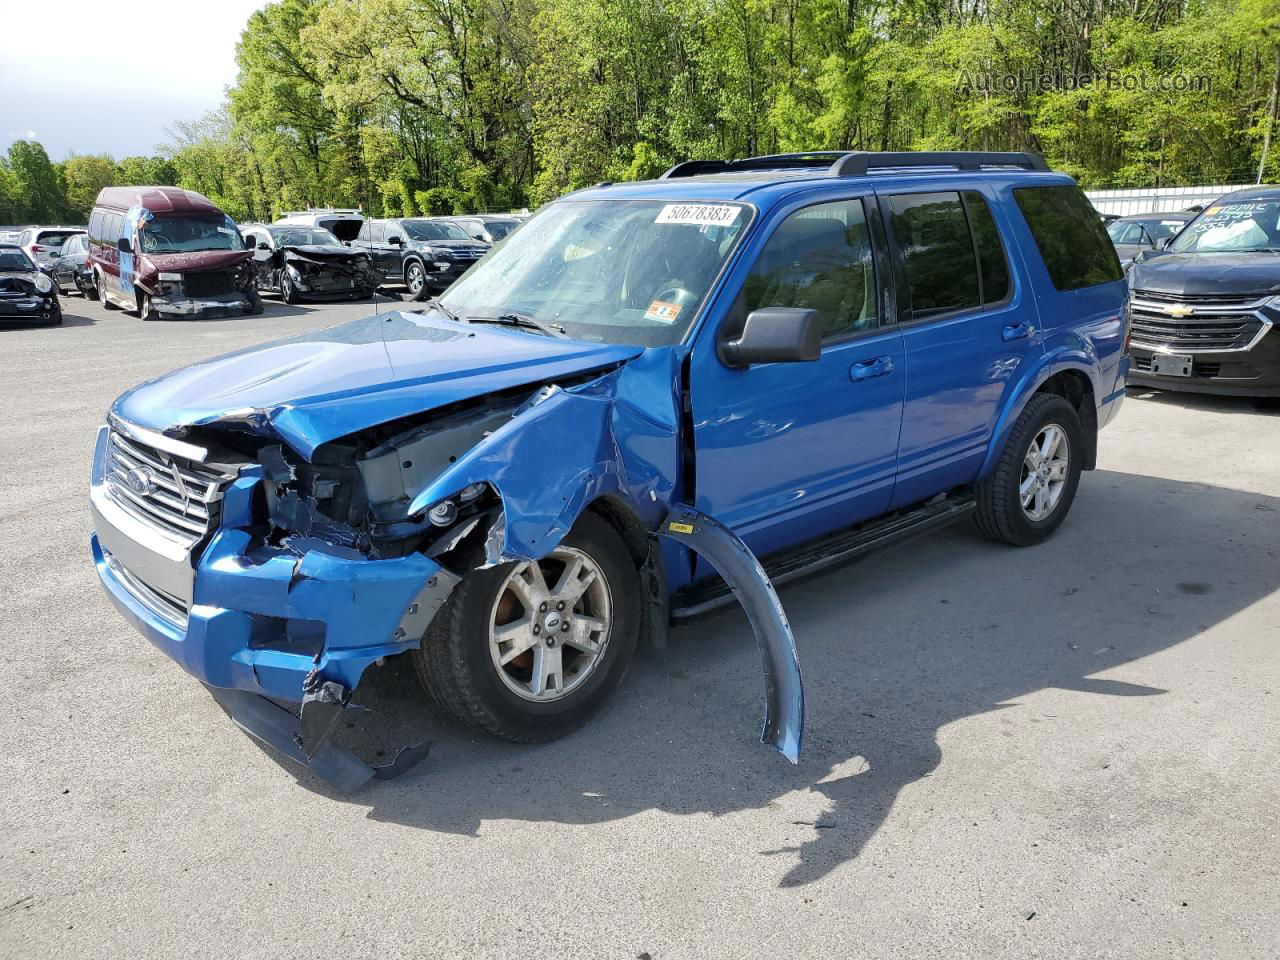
{"type": "Point", "coordinates": [779, 453]}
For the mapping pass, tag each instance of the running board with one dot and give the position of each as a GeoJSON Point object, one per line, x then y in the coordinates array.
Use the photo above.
{"type": "Point", "coordinates": [829, 551]}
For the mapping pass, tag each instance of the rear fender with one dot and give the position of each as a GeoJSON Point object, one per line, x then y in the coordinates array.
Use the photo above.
{"type": "Point", "coordinates": [1078, 356]}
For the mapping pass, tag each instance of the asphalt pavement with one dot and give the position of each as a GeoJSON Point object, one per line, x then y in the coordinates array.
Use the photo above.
{"type": "Point", "coordinates": [1062, 751]}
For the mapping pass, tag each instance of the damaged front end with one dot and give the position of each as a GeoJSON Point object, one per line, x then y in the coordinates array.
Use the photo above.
{"type": "Point", "coordinates": [325, 272]}
{"type": "Point", "coordinates": [276, 562]}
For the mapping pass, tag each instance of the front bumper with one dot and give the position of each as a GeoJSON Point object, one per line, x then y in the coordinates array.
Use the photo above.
{"type": "Point", "coordinates": [254, 621]}
{"type": "Point", "coordinates": [335, 288]}
{"type": "Point", "coordinates": [196, 308]}
{"type": "Point", "coordinates": [1233, 373]}
{"type": "Point", "coordinates": [27, 308]}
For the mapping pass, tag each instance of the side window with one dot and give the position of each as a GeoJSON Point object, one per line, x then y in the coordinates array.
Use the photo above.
{"type": "Point", "coordinates": [993, 269]}
{"type": "Point", "coordinates": [114, 224]}
{"type": "Point", "coordinates": [95, 227]}
{"type": "Point", "coordinates": [933, 234]}
{"type": "Point", "coordinates": [364, 232]}
{"type": "Point", "coordinates": [819, 258]}
{"type": "Point", "coordinates": [394, 231]}
{"type": "Point", "coordinates": [377, 231]}
{"type": "Point", "coordinates": [1071, 239]}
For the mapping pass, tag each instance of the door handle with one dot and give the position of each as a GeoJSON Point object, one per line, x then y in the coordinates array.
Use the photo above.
{"type": "Point", "coordinates": [1018, 331]}
{"type": "Point", "coordinates": [871, 367]}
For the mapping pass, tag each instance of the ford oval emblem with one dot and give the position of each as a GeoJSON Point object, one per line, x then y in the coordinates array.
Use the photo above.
{"type": "Point", "coordinates": [140, 481]}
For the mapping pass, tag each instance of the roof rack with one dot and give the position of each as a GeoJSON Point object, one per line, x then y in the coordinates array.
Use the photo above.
{"type": "Point", "coordinates": [322, 210]}
{"type": "Point", "coordinates": [858, 163]}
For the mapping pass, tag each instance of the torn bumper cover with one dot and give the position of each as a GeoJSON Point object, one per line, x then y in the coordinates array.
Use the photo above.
{"type": "Point", "coordinates": [221, 305]}
{"type": "Point", "coordinates": [272, 622]}
{"type": "Point", "coordinates": [784, 692]}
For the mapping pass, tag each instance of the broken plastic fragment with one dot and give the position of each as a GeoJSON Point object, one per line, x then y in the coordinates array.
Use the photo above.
{"type": "Point", "coordinates": [733, 559]}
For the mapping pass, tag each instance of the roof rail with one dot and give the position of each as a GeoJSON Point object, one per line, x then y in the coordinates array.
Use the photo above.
{"type": "Point", "coordinates": [858, 163]}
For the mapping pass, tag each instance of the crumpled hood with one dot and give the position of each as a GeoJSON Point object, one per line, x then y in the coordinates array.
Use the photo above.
{"type": "Point", "coordinates": [312, 389]}
{"type": "Point", "coordinates": [1207, 273]}
{"type": "Point", "coordinates": [199, 260]}
{"type": "Point", "coordinates": [26, 278]}
{"type": "Point", "coordinates": [323, 253]}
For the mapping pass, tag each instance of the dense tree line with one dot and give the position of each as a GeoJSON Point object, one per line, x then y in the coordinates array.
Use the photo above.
{"type": "Point", "coordinates": [411, 106]}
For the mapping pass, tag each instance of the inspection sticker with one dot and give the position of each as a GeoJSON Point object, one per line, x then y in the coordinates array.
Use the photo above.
{"type": "Point", "coordinates": [680, 527]}
{"type": "Point", "coordinates": [706, 214]}
{"type": "Point", "coordinates": [662, 311]}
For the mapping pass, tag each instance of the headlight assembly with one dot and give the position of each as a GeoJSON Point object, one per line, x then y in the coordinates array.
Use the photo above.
{"type": "Point", "coordinates": [43, 283]}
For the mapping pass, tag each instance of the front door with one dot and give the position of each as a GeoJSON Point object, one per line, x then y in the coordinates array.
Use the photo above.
{"type": "Point", "coordinates": [788, 451]}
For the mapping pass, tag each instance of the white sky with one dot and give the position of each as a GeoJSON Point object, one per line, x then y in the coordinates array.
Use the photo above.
{"type": "Point", "coordinates": [95, 77]}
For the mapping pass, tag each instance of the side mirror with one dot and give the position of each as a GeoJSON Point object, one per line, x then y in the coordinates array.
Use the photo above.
{"type": "Point", "coordinates": [124, 245]}
{"type": "Point", "coordinates": [775, 335]}
{"type": "Point", "coordinates": [263, 245]}
{"type": "Point", "coordinates": [44, 266]}
{"type": "Point", "coordinates": [395, 241]}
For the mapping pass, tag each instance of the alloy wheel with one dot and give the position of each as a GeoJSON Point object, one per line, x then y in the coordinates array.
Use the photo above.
{"type": "Point", "coordinates": [1045, 469]}
{"type": "Point", "coordinates": [550, 625]}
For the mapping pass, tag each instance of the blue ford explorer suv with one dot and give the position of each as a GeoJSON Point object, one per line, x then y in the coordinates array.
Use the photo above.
{"type": "Point", "coordinates": [598, 428]}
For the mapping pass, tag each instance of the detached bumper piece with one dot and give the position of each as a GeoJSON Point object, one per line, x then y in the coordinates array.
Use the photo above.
{"type": "Point", "coordinates": [733, 559]}
{"type": "Point", "coordinates": [305, 739]}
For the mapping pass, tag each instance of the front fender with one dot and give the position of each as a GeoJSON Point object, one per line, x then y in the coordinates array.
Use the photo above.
{"type": "Point", "coordinates": [562, 449]}
{"type": "Point", "coordinates": [1079, 356]}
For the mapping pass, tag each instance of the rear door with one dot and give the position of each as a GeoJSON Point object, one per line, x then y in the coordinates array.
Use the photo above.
{"type": "Point", "coordinates": [969, 327]}
{"type": "Point", "coordinates": [789, 451]}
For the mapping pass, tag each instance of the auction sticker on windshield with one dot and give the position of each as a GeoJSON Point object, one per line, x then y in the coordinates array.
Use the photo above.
{"type": "Point", "coordinates": [705, 214]}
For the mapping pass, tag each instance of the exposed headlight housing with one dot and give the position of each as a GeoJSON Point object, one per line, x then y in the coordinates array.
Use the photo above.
{"type": "Point", "coordinates": [43, 283]}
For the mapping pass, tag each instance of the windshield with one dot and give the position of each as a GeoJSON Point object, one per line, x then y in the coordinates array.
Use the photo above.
{"type": "Point", "coordinates": [14, 260]}
{"type": "Point", "coordinates": [1242, 227]}
{"type": "Point", "coordinates": [434, 230]}
{"type": "Point", "coordinates": [187, 234]}
{"type": "Point", "coordinates": [613, 271]}
{"type": "Point", "coordinates": [1143, 231]}
{"type": "Point", "coordinates": [304, 236]}
{"type": "Point", "coordinates": [499, 228]}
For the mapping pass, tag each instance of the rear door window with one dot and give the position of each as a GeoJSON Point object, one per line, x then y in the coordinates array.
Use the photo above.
{"type": "Point", "coordinates": [938, 253]}
{"type": "Point", "coordinates": [993, 268]}
{"type": "Point", "coordinates": [1069, 235]}
{"type": "Point", "coordinates": [820, 258]}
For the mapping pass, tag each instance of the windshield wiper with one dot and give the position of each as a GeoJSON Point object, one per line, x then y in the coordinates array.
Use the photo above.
{"type": "Point", "coordinates": [435, 302]}
{"type": "Point", "coordinates": [511, 319]}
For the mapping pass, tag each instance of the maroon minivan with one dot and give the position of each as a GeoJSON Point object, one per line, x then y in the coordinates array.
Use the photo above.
{"type": "Point", "coordinates": [168, 253]}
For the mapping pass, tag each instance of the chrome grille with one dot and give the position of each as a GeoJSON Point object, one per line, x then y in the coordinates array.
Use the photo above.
{"type": "Point", "coordinates": [177, 496]}
{"type": "Point", "coordinates": [1195, 323]}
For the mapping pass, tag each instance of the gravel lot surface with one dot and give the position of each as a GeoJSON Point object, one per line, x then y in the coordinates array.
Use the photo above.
{"type": "Point", "coordinates": [1067, 751]}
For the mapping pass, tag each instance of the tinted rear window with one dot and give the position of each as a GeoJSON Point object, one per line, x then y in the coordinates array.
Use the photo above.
{"type": "Point", "coordinates": [1071, 238]}
{"type": "Point", "coordinates": [986, 238]}
{"type": "Point", "coordinates": [933, 234]}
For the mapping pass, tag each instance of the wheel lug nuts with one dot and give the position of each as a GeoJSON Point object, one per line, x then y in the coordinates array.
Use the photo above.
{"type": "Point", "coordinates": [560, 605]}
{"type": "Point", "coordinates": [542, 608]}
{"type": "Point", "coordinates": [564, 627]}
{"type": "Point", "coordinates": [536, 629]}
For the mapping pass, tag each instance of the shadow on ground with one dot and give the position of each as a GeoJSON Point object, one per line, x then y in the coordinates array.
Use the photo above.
{"type": "Point", "coordinates": [893, 648]}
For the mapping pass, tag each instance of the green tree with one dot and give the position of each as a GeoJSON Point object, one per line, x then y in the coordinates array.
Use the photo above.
{"type": "Point", "coordinates": [36, 184]}
{"type": "Point", "coordinates": [84, 176]}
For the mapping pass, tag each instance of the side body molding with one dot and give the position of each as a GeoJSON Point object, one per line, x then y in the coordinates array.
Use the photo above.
{"type": "Point", "coordinates": [784, 692]}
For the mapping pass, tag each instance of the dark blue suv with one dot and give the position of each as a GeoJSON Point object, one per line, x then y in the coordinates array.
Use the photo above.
{"type": "Point", "coordinates": [598, 429]}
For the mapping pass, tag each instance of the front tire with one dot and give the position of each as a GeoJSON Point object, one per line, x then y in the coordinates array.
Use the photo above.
{"type": "Point", "coordinates": [288, 292]}
{"type": "Point", "coordinates": [101, 286]}
{"type": "Point", "coordinates": [530, 651]}
{"type": "Point", "coordinates": [1029, 492]}
{"type": "Point", "coordinates": [415, 278]}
